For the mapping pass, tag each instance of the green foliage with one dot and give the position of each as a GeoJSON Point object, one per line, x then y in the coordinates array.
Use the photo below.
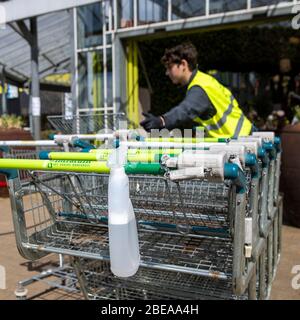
{"type": "Point", "coordinates": [297, 112]}
{"type": "Point", "coordinates": [46, 133]}
{"type": "Point", "coordinates": [11, 122]}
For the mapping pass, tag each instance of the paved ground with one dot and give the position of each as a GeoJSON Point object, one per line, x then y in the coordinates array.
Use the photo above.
{"type": "Point", "coordinates": [290, 257]}
{"type": "Point", "coordinates": [17, 268]}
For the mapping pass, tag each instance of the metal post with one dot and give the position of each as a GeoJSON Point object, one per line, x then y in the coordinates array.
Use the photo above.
{"type": "Point", "coordinates": [252, 286]}
{"type": "Point", "coordinates": [169, 10]}
{"type": "Point", "coordinates": [270, 261]}
{"type": "Point", "coordinates": [135, 13]}
{"type": "Point", "coordinates": [3, 81]}
{"type": "Point", "coordinates": [74, 59]}
{"type": "Point", "coordinates": [74, 63]}
{"type": "Point", "coordinates": [262, 274]}
{"type": "Point", "coordinates": [207, 7]}
{"type": "Point", "coordinates": [248, 4]}
{"type": "Point", "coordinates": [35, 102]}
{"type": "Point", "coordinates": [119, 70]}
{"type": "Point", "coordinates": [105, 82]}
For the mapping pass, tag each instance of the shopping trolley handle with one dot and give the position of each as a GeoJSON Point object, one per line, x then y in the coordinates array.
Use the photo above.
{"type": "Point", "coordinates": [271, 149]}
{"type": "Point", "coordinates": [51, 136]}
{"type": "Point", "coordinates": [85, 146]}
{"type": "Point", "coordinates": [251, 162]}
{"type": "Point", "coordinates": [4, 149]}
{"type": "Point", "coordinates": [72, 140]}
{"type": "Point", "coordinates": [263, 156]}
{"type": "Point", "coordinates": [44, 155]}
{"type": "Point", "coordinates": [144, 168]}
{"type": "Point", "coordinates": [61, 139]}
{"type": "Point", "coordinates": [132, 138]}
{"type": "Point", "coordinates": [277, 143]}
{"type": "Point", "coordinates": [9, 173]}
{"type": "Point", "coordinates": [267, 136]}
{"type": "Point", "coordinates": [234, 173]}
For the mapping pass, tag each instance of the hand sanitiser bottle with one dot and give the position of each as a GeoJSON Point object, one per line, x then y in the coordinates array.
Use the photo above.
{"type": "Point", "coordinates": [123, 236]}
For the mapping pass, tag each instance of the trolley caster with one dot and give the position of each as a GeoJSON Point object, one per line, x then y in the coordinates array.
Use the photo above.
{"type": "Point", "coordinates": [67, 283]}
{"type": "Point", "coordinates": [21, 292]}
{"type": "Point", "coordinates": [30, 266]}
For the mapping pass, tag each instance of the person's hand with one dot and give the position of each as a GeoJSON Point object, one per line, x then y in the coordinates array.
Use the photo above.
{"type": "Point", "coordinates": [151, 122]}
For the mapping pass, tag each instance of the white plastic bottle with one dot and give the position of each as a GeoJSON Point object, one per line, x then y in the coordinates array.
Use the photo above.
{"type": "Point", "coordinates": [123, 236]}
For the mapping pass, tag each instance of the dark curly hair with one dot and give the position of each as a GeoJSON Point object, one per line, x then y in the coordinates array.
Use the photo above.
{"type": "Point", "coordinates": [186, 51]}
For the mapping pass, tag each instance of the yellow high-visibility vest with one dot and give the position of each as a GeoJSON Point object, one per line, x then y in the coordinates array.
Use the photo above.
{"type": "Point", "coordinates": [229, 120]}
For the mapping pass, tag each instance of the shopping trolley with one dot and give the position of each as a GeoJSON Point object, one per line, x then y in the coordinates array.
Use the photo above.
{"type": "Point", "coordinates": [259, 201]}
{"type": "Point", "coordinates": [235, 153]}
{"type": "Point", "coordinates": [183, 225]}
{"type": "Point", "coordinates": [30, 149]}
{"type": "Point", "coordinates": [88, 123]}
{"type": "Point", "coordinates": [20, 149]}
{"type": "Point", "coordinates": [265, 253]}
{"type": "Point", "coordinates": [270, 210]}
{"type": "Point", "coordinates": [97, 282]}
{"type": "Point", "coordinates": [191, 227]}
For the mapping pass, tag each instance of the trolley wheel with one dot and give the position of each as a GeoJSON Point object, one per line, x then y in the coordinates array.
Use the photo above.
{"type": "Point", "coordinates": [21, 292]}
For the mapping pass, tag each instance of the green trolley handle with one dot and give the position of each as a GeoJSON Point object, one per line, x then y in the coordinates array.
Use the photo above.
{"type": "Point", "coordinates": [9, 167]}
{"type": "Point", "coordinates": [186, 140]}
{"type": "Point", "coordinates": [144, 156]}
{"type": "Point", "coordinates": [107, 152]}
{"type": "Point", "coordinates": [79, 166]}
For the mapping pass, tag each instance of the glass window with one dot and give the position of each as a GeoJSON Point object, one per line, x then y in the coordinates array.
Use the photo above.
{"type": "Point", "coordinates": [91, 84]}
{"type": "Point", "coordinates": [109, 78]}
{"type": "Point", "coordinates": [260, 3]}
{"type": "Point", "coordinates": [89, 25]}
{"type": "Point", "coordinates": [109, 15]}
{"type": "Point", "coordinates": [151, 11]}
{"type": "Point", "coordinates": [108, 39]}
{"type": "Point", "coordinates": [91, 79]}
{"type": "Point", "coordinates": [219, 6]}
{"type": "Point", "coordinates": [182, 9]}
{"type": "Point", "coordinates": [125, 13]}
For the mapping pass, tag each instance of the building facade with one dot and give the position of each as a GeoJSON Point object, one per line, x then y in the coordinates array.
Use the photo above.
{"type": "Point", "coordinates": [106, 53]}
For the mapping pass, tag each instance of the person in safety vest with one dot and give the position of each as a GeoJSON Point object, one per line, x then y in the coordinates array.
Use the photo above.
{"type": "Point", "coordinates": [207, 103]}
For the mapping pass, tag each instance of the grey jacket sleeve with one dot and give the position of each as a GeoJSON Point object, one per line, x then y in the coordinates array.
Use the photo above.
{"type": "Point", "coordinates": [195, 104]}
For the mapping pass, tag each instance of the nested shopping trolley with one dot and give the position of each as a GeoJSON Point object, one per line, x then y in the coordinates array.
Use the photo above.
{"type": "Point", "coordinates": [89, 122]}
{"type": "Point", "coordinates": [31, 149]}
{"type": "Point", "coordinates": [190, 230]}
{"type": "Point", "coordinates": [61, 276]}
{"type": "Point", "coordinates": [235, 154]}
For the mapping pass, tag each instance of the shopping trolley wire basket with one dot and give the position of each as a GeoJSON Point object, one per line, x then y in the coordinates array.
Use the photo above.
{"type": "Point", "coordinates": [190, 226]}
{"type": "Point", "coordinates": [97, 282]}
{"type": "Point", "coordinates": [88, 123]}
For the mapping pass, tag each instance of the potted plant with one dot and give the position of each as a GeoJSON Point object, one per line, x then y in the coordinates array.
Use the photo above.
{"type": "Point", "coordinates": [11, 128]}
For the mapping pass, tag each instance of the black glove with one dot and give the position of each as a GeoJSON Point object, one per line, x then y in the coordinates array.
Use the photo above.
{"type": "Point", "coordinates": [151, 122]}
